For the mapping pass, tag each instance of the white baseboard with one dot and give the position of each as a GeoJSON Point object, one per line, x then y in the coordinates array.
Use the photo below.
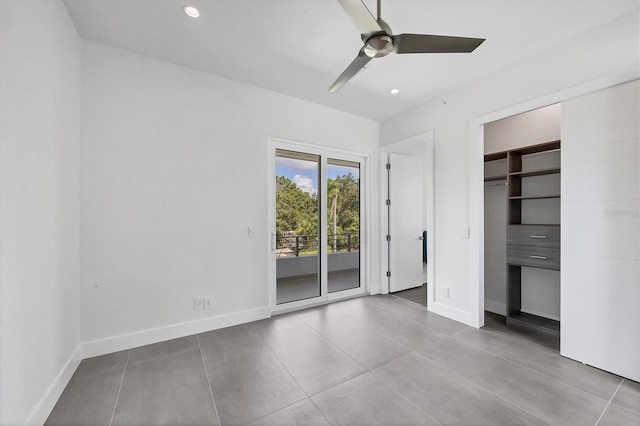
{"type": "Point", "coordinates": [174, 331]}
{"type": "Point", "coordinates": [40, 414]}
{"type": "Point", "coordinates": [452, 313]}
{"type": "Point", "coordinates": [495, 307]}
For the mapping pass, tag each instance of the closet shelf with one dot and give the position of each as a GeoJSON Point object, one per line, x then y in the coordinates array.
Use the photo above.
{"type": "Point", "coordinates": [540, 172]}
{"type": "Point", "coordinates": [495, 156]}
{"type": "Point", "coordinates": [495, 178]}
{"type": "Point", "coordinates": [537, 197]}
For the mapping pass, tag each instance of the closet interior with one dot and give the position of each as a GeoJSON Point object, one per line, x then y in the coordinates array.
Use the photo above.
{"type": "Point", "coordinates": [522, 221]}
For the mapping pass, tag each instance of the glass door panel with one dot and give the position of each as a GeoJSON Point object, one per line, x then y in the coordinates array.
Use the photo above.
{"type": "Point", "coordinates": [297, 225]}
{"type": "Point", "coordinates": [343, 225]}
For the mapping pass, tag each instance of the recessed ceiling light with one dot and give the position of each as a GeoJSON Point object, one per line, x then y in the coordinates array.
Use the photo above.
{"type": "Point", "coordinates": [394, 91]}
{"type": "Point", "coordinates": [191, 11]}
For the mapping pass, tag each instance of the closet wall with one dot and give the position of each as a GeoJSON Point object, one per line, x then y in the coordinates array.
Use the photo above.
{"type": "Point", "coordinates": [540, 287]}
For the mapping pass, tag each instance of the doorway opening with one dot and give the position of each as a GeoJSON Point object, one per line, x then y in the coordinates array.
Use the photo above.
{"type": "Point", "coordinates": [522, 224]}
{"type": "Point", "coordinates": [407, 220]}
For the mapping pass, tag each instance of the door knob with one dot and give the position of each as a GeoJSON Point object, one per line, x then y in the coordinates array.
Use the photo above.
{"type": "Point", "coordinates": [420, 237]}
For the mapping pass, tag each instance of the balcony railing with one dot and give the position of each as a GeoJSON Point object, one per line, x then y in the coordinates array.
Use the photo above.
{"type": "Point", "coordinates": [305, 245]}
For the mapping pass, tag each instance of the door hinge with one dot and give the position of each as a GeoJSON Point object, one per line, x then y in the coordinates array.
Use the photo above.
{"type": "Point", "coordinates": [388, 237]}
{"type": "Point", "coordinates": [388, 166]}
{"type": "Point", "coordinates": [388, 202]}
{"type": "Point", "coordinates": [388, 273]}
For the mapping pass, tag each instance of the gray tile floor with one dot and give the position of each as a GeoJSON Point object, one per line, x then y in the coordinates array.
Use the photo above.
{"type": "Point", "coordinates": [417, 295]}
{"type": "Point", "coordinates": [374, 360]}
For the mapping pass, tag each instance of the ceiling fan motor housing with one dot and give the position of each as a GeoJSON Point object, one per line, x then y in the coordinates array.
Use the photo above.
{"type": "Point", "coordinates": [378, 46]}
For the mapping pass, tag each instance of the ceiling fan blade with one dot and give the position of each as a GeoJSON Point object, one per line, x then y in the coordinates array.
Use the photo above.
{"type": "Point", "coordinates": [358, 63]}
{"type": "Point", "coordinates": [425, 43]}
{"type": "Point", "coordinates": [361, 16]}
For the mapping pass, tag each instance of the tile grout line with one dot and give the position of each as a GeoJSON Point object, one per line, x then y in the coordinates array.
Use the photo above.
{"type": "Point", "coordinates": [367, 370]}
{"type": "Point", "coordinates": [433, 328]}
{"type": "Point", "coordinates": [113, 413]}
{"type": "Point", "coordinates": [292, 376]}
{"type": "Point", "coordinates": [282, 364]}
{"type": "Point", "coordinates": [319, 410]}
{"type": "Point", "coordinates": [609, 403]}
{"type": "Point", "coordinates": [483, 388]}
{"type": "Point", "coordinates": [391, 336]}
{"type": "Point", "coordinates": [206, 373]}
{"type": "Point", "coordinates": [402, 396]}
{"type": "Point", "coordinates": [319, 333]}
{"type": "Point", "coordinates": [527, 368]}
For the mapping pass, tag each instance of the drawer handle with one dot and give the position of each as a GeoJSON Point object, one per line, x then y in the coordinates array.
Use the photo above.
{"type": "Point", "coordinates": [538, 257]}
{"type": "Point", "coordinates": [543, 237]}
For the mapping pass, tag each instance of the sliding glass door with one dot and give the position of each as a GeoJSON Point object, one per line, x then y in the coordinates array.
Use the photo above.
{"type": "Point", "coordinates": [316, 204]}
{"type": "Point", "coordinates": [343, 222]}
{"type": "Point", "coordinates": [297, 226]}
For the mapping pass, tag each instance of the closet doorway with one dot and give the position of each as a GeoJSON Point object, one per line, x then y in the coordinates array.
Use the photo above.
{"type": "Point", "coordinates": [522, 224]}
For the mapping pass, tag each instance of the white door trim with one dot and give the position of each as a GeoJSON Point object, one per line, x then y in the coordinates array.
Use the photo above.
{"type": "Point", "coordinates": [475, 316]}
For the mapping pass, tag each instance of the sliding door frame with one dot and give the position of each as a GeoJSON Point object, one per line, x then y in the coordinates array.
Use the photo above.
{"type": "Point", "coordinates": [365, 231]}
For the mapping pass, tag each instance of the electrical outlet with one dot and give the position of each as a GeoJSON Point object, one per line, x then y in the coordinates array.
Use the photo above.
{"type": "Point", "coordinates": [445, 292]}
{"type": "Point", "coordinates": [198, 303]}
{"type": "Point", "coordinates": [207, 302]}
{"type": "Point", "coordinates": [464, 232]}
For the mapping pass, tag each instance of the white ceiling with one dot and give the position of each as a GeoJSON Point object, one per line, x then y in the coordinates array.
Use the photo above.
{"type": "Point", "coordinates": [299, 47]}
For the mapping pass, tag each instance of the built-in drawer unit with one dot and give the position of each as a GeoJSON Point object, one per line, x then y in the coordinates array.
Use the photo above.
{"type": "Point", "coordinates": [534, 235]}
{"type": "Point", "coordinates": [537, 257]}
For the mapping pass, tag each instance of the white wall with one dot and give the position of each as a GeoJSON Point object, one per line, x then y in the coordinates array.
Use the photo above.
{"type": "Point", "coordinates": [603, 51]}
{"type": "Point", "coordinates": [39, 168]}
{"type": "Point", "coordinates": [174, 170]}
{"type": "Point", "coordinates": [601, 229]}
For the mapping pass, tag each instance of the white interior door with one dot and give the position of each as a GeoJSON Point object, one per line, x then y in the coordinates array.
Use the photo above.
{"type": "Point", "coordinates": [405, 223]}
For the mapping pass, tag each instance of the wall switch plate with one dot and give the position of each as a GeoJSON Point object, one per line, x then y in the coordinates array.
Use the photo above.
{"type": "Point", "coordinates": [464, 232]}
{"type": "Point", "coordinates": [198, 303]}
{"type": "Point", "coordinates": [445, 292]}
{"type": "Point", "coordinates": [251, 231]}
{"type": "Point", "coordinates": [207, 302]}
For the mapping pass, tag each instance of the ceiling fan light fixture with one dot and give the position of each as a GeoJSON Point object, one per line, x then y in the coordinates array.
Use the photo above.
{"type": "Point", "coordinates": [394, 91]}
{"type": "Point", "coordinates": [378, 46]}
{"type": "Point", "coordinates": [191, 11]}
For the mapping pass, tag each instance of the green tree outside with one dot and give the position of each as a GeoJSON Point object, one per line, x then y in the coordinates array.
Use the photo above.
{"type": "Point", "coordinates": [297, 210]}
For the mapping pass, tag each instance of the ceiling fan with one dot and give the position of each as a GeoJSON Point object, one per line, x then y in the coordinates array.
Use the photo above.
{"type": "Point", "coordinates": [379, 41]}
